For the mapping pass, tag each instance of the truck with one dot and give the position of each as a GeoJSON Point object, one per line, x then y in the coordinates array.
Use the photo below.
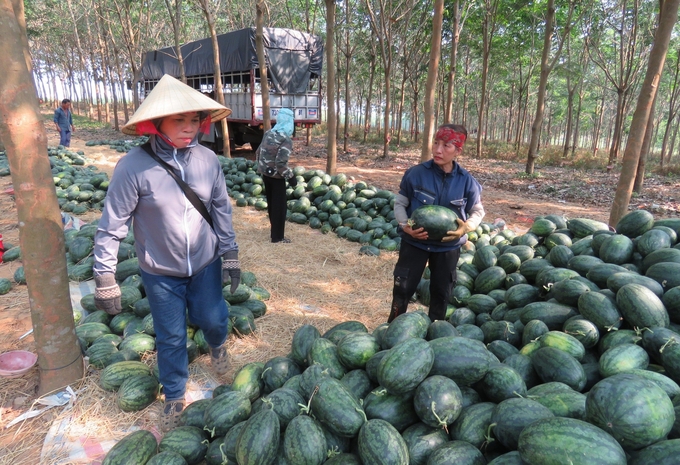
{"type": "Point", "coordinates": [294, 66]}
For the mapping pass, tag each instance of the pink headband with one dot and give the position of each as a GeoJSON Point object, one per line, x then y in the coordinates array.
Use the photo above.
{"type": "Point", "coordinates": [448, 135]}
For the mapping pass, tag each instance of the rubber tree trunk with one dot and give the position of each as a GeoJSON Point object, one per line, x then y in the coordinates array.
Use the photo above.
{"type": "Point", "coordinates": [432, 72]}
{"type": "Point", "coordinates": [644, 151]}
{"type": "Point", "coordinates": [262, 63]}
{"type": "Point", "coordinates": [542, 86]}
{"type": "Point", "coordinates": [638, 126]}
{"type": "Point", "coordinates": [331, 120]}
{"type": "Point", "coordinates": [41, 233]}
{"type": "Point", "coordinates": [217, 73]}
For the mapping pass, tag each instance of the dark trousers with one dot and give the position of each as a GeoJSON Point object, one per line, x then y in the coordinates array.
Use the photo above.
{"type": "Point", "coordinates": [408, 272]}
{"type": "Point", "coordinates": [275, 190]}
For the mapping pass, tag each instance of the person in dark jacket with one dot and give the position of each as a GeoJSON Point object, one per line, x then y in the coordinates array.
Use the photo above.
{"type": "Point", "coordinates": [184, 260]}
{"type": "Point", "coordinates": [440, 181]}
{"type": "Point", "coordinates": [63, 120]}
{"type": "Point", "coordinates": [272, 163]}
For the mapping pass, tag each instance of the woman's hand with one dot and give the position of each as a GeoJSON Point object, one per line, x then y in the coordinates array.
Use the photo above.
{"type": "Point", "coordinates": [419, 233]}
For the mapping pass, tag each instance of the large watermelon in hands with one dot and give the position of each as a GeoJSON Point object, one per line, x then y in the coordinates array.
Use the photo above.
{"type": "Point", "coordinates": [436, 220]}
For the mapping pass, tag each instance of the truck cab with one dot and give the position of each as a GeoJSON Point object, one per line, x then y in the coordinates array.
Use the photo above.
{"type": "Point", "coordinates": [294, 65]}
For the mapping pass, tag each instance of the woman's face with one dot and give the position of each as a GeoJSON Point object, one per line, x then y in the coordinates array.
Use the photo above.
{"type": "Point", "coordinates": [180, 128]}
{"type": "Point", "coordinates": [444, 153]}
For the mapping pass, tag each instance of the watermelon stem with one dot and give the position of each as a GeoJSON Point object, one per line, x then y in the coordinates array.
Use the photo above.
{"type": "Point", "coordinates": [308, 408]}
{"type": "Point", "coordinates": [487, 437]}
{"type": "Point", "coordinates": [330, 453]}
{"type": "Point", "coordinates": [669, 342]}
{"type": "Point", "coordinates": [443, 423]}
{"type": "Point", "coordinates": [362, 413]}
{"type": "Point", "coordinates": [225, 459]}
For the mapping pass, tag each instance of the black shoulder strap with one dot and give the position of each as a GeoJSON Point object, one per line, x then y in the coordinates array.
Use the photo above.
{"type": "Point", "coordinates": [191, 195]}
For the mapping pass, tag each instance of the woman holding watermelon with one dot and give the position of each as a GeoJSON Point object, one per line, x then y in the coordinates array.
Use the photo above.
{"type": "Point", "coordinates": [439, 181]}
{"type": "Point", "coordinates": [172, 191]}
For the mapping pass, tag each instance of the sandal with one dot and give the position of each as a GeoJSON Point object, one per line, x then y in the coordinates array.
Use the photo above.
{"type": "Point", "coordinates": [219, 359]}
{"type": "Point", "coordinates": [170, 413]}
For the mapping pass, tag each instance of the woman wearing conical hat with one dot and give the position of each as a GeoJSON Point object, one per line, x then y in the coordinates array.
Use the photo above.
{"type": "Point", "coordinates": [184, 260]}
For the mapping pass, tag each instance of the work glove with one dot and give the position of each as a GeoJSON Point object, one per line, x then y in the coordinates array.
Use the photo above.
{"type": "Point", "coordinates": [463, 228]}
{"type": "Point", "coordinates": [231, 269]}
{"type": "Point", "coordinates": [107, 294]}
{"type": "Point", "coordinates": [292, 181]}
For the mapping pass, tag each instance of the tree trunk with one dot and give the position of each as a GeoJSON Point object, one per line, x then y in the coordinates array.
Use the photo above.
{"type": "Point", "coordinates": [176, 21]}
{"type": "Point", "coordinates": [348, 58]}
{"type": "Point", "coordinates": [332, 148]}
{"type": "Point", "coordinates": [542, 86]}
{"type": "Point", "coordinates": [452, 71]}
{"type": "Point", "coordinates": [217, 72]}
{"type": "Point", "coordinates": [644, 151]}
{"type": "Point", "coordinates": [262, 63]}
{"type": "Point", "coordinates": [367, 117]}
{"type": "Point", "coordinates": [488, 27]}
{"type": "Point", "coordinates": [41, 233]}
{"type": "Point", "coordinates": [432, 72]}
{"type": "Point", "coordinates": [667, 18]}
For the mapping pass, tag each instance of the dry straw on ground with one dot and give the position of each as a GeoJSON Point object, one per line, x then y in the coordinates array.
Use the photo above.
{"type": "Point", "coordinates": [317, 279]}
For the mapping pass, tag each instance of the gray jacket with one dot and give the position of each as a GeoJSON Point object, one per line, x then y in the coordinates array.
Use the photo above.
{"type": "Point", "coordinates": [171, 236]}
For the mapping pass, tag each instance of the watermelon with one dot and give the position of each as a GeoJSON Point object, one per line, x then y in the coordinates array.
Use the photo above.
{"type": "Point", "coordinates": [634, 410]}
{"type": "Point", "coordinates": [641, 307]}
{"type": "Point", "coordinates": [635, 223]}
{"type": "Point", "coordinates": [137, 393]}
{"type": "Point", "coordinates": [187, 441]}
{"type": "Point", "coordinates": [622, 358]}
{"type": "Point", "coordinates": [437, 220]}
{"type": "Point", "coordinates": [553, 364]}
{"type": "Point", "coordinates": [304, 441]}
{"type": "Point", "coordinates": [337, 408]}
{"type": "Point", "coordinates": [406, 365]}
{"type": "Point", "coordinates": [225, 411]}
{"type": "Point", "coordinates": [438, 401]}
{"type": "Point", "coordinates": [511, 416]}
{"type": "Point", "coordinates": [303, 338]}
{"type": "Point", "coordinates": [579, 442]}
{"type": "Point", "coordinates": [258, 442]}
{"type": "Point", "coordinates": [379, 443]}
{"type": "Point", "coordinates": [456, 452]}
{"type": "Point", "coordinates": [421, 441]}
{"type": "Point", "coordinates": [397, 410]}
{"type": "Point", "coordinates": [136, 447]}
{"type": "Point", "coordinates": [661, 453]}
{"type": "Point", "coordinates": [112, 376]}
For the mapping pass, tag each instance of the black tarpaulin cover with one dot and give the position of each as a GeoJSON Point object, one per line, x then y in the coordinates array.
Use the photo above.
{"type": "Point", "coordinates": [292, 57]}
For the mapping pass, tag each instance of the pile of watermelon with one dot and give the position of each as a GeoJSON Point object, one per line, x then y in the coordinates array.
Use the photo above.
{"type": "Point", "coordinates": [119, 145]}
{"type": "Point", "coordinates": [357, 212]}
{"type": "Point", "coordinates": [561, 346]}
{"type": "Point", "coordinates": [79, 189]}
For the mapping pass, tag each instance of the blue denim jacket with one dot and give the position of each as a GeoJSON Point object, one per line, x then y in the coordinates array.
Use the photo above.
{"type": "Point", "coordinates": [64, 120]}
{"type": "Point", "coordinates": [428, 184]}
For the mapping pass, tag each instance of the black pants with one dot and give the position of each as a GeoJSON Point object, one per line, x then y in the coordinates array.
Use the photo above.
{"type": "Point", "coordinates": [408, 272]}
{"type": "Point", "coordinates": [275, 190]}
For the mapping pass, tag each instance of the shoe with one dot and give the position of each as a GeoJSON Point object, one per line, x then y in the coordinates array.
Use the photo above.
{"type": "Point", "coordinates": [219, 359]}
{"type": "Point", "coordinates": [285, 240]}
{"type": "Point", "coordinates": [170, 413]}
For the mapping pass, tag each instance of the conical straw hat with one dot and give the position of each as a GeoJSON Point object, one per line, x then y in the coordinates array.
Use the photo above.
{"type": "Point", "coordinates": [170, 97]}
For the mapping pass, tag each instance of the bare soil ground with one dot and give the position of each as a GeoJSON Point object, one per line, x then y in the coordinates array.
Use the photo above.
{"type": "Point", "coordinates": [318, 279]}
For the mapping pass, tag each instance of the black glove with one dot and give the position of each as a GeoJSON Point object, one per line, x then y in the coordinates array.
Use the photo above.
{"type": "Point", "coordinates": [231, 269]}
{"type": "Point", "coordinates": [107, 294]}
{"type": "Point", "coordinates": [292, 181]}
